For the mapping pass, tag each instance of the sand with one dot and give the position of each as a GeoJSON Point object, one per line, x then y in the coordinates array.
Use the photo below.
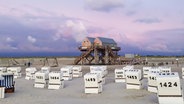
{"type": "Point", "coordinates": [73, 91]}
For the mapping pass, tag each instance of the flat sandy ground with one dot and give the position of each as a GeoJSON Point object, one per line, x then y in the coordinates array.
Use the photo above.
{"type": "Point", "coordinates": [73, 92]}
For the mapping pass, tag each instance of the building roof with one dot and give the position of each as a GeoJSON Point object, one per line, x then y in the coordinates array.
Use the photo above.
{"type": "Point", "coordinates": [107, 40]}
{"type": "Point", "coordinates": [91, 39]}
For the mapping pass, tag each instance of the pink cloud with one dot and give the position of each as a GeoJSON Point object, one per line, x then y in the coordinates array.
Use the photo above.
{"type": "Point", "coordinates": [160, 47]}
{"type": "Point", "coordinates": [96, 35]}
{"type": "Point", "coordinates": [72, 29]}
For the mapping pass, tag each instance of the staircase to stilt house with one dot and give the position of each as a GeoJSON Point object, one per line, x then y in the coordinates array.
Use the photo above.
{"type": "Point", "coordinates": [112, 54]}
{"type": "Point", "coordinates": [84, 55]}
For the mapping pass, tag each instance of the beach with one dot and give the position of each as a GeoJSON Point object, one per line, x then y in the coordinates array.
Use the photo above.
{"type": "Point", "coordinates": [73, 91]}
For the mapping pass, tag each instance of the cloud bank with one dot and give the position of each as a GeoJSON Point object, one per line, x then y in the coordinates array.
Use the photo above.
{"type": "Point", "coordinates": [104, 5]}
{"type": "Point", "coordinates": [143, 25]}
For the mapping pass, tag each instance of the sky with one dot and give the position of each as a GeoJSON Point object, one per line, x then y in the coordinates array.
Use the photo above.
{"type": "Point", "coordinates": [138, 26]}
